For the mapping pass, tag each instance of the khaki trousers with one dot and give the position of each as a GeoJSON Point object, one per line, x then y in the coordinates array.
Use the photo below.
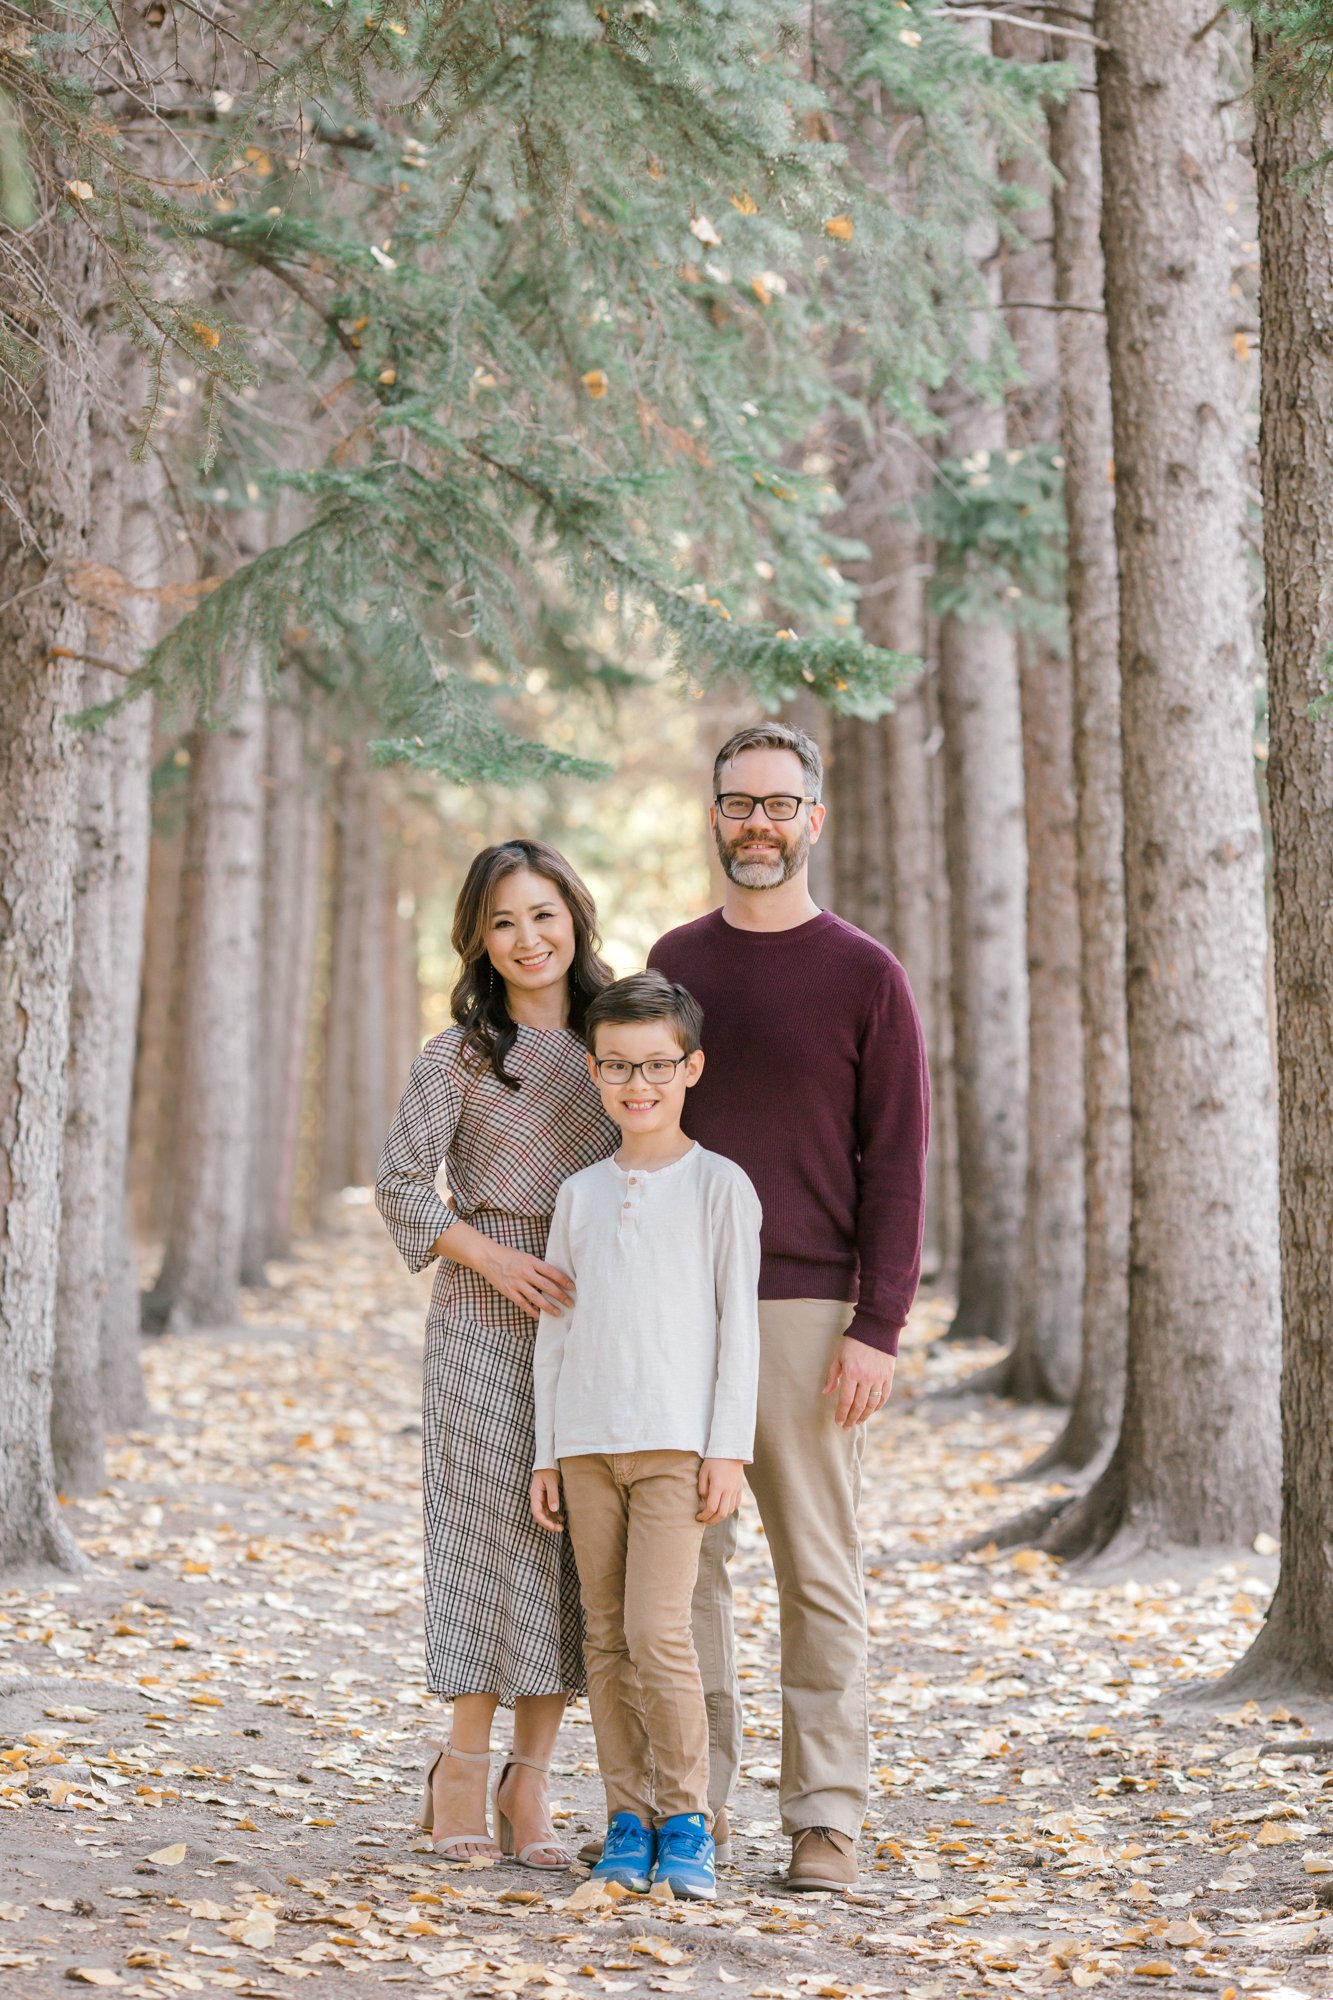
{"type": "Point", "coordinates": [636, 1542]}
{"type": "Point", "coordinates": [806, 1479]}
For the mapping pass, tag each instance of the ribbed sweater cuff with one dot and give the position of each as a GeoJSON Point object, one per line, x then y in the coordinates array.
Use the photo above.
{"type": "Point", "coordinates": [875, 1332]}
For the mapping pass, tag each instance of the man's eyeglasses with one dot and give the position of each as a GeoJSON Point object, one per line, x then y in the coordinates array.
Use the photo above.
{"type": "Point", "coordinates": [778, 806]}
{"type": "Point", "coordinates": [660, 1069]}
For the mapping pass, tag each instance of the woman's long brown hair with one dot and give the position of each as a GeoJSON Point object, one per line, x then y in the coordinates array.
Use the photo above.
{"type": "Point", "coordinates": [478, 1001]}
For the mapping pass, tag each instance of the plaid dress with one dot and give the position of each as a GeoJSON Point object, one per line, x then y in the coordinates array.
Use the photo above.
{"type": "Point", "coordinates": [502, 1596]}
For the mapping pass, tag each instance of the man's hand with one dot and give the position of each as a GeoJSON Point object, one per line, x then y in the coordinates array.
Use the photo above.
{"type": "Point", "coordinates": [544, 1498]}
{"type": "Point", "coordinates": [720, 1483]}
{"type": "Point", "coordinates": [863, 1378]}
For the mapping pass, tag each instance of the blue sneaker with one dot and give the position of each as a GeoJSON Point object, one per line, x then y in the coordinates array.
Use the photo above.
{"type": "Point", "coordinates": [627, 1854]}
{"type": "Point", "coordinates": [685, 1857]}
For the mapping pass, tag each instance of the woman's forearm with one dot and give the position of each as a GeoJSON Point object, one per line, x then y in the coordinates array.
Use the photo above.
{"type": "Point", "coordinates": [464, 1244]}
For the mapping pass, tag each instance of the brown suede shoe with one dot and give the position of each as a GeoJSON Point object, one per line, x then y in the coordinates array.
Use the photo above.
{"type": "Point", "coordinates": [822, 1858]}
{"type": "Point", "coordinates": [591, 1850]}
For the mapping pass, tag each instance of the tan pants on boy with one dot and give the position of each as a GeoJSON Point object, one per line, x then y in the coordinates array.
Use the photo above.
{"type": "Point", "coordinates": [632, 1520]}
{"type": "Point", "coordinates": [806, 1479]}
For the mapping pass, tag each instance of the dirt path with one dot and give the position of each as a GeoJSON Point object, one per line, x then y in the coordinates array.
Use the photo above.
{"type": "Point", "coordinates": [212, 1743]}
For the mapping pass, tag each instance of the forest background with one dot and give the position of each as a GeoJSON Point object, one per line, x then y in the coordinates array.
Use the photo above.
{"type": "Point", "coordinates": [424, 424]}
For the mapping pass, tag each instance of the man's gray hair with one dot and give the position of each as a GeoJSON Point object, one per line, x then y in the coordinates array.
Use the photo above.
{"type": "Point", "coordinates": [774, 736]}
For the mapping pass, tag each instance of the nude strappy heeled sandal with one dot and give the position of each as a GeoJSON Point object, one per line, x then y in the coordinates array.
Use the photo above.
{"type": "Point", "coordinates": [505, 1832]}
{"type": "Point", "coordinates": [449, 1844]}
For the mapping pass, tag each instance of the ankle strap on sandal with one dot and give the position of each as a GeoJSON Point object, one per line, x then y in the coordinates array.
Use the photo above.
{"type": "Point", "coordinates": [463, 1756]}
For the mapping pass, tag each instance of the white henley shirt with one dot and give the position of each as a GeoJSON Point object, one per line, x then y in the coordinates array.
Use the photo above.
{"type": "Point", "coordinates": [660, 1351]}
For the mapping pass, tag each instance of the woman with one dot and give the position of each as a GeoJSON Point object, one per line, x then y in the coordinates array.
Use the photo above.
{"type": "Point", "coordinates": [505, 1101]}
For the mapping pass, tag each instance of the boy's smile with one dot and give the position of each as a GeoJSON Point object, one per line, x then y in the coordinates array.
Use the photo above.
{"type": "Point", "coordinates": [646, 1097]}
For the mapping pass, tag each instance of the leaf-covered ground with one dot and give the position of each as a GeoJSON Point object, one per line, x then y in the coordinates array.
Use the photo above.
{"type": "Point", "coordinates": [213, 1742]}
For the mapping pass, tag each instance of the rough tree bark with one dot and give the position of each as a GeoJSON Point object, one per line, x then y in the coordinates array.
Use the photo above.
{"type": "Point", "coordinates": [130, 744]}
{"type": "Point", "coordinates": [77, 1428]}
{"type": "Point", "coordinates": [1043, 1363]}
{"type": "Point", "coordinates": [354, 1104]}
{"type": "Point", "coordinates": [893, 614]}
{"type": "Point", "coordinates": [291, 833]}
{"type": "Point", "coordinates": [44, 517]}
{"type": "Point", "coordinates": [1295, 1648]}
{"type": "Point", "coordinates": [155, 1057]}
{"type": "Point", "coordinates": [1197, 1460]}
{"type": "Point", "coordinates": [98, 1383]}
{"type": "Point", "coordinates": [210, 1097]}
{"type": "Point", "coordinates": [1094, 623]}
{"type": "Point", "coordinates": [403, 1040]}
{"type": "Point", "coordinates": [987, 871]}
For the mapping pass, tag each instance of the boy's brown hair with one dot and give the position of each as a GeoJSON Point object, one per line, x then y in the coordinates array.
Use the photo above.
{"type": "Point", "coordinates": [646, 996]}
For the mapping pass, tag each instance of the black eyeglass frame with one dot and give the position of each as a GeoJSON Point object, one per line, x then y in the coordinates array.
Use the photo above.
{"type": "Point", "coordinates": [765, 801]}
{"type": "Point", "coordinates": [642, 1067]}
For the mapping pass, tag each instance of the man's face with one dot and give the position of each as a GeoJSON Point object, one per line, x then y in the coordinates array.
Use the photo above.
{"type": "Point", "coordinates": [758, 853]}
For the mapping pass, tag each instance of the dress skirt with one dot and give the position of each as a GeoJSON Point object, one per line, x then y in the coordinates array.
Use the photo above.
{"type": "Point", "coordinates": [502, 1595]}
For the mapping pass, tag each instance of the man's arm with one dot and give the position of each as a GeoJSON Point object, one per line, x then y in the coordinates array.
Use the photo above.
{"type": "Point", "coordinates": [893, 1123]}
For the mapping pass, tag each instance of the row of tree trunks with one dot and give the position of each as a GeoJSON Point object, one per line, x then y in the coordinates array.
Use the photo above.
{"type": "Point", "coordinates": [888, 873]}
{"type": "Point", "coordinates": [1197, 1460]}
{"type": "Point", "coordinates": [44, 523]}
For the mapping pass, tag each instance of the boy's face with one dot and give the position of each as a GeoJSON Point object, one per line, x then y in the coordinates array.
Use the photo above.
{"type": "Point", "coordinates": [648, 1097]}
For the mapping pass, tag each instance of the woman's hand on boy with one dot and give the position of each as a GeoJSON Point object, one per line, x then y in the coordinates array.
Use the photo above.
{"type": "Point", "coordinates": [529, 1281]}
{"type": "Point", "coordinates": [544, 1496]}
{"type": "Point", "coordinates": [720, 1482]}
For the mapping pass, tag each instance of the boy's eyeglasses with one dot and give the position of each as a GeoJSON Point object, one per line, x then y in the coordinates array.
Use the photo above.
{"type": "Point", "coordinates": [779, 806]}
{"type": "Point", "coordinates": [660, 1070]}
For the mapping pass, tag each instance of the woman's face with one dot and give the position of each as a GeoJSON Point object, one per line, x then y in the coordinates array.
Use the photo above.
{"type": "Point", "coordinates": [530, 936]}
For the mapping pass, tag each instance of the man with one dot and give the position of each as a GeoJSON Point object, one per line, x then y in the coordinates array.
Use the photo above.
{"type": "Point", "coordinates": [816, 1084]}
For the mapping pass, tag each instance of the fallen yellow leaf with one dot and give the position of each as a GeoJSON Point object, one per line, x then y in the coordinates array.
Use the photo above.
{"type": "Point", "coordinates": [594, 382]}
{"type": "Point", "coordinates": [169, 1857]}
{"type": "Point", "coordinates": [840, 227]}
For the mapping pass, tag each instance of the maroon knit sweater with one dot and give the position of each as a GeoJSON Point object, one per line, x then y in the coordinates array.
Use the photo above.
{"type": "Point", "coordinates": [816, 1083]}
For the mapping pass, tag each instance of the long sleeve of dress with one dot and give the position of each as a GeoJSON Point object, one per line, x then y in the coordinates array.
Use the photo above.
{"type": "Point", "coordinates": [549, 1350]}
{"type": "Point", "coordinates": [421, 1134]}
{"type": "Point", "coordinates": [736, 1267]}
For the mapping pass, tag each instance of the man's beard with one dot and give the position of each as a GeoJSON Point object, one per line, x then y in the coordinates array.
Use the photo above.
{"type": "Point", "coordinates": [763, 871]}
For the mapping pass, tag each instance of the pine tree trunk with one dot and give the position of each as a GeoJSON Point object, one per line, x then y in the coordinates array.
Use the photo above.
{"type": "Point", "coordinates": [987, 869]}
{"type": "Point", "coordinates": [403, 1042]}
{"type": "Point", "coordinates": [77, 1424]}
{"type": "Point", "coordinates": [98, 1384]}
{"type": "Point", "coordinates": [124, 1400]}
{"type": "Point", "coordinates": [1094, 620]}
{"type": "Point", "coordinates": [43, 529]}
{"type": "Point", "coordinates": [1295, 1648]}
{"type": "Point", "coordinates": [356, 1018]}
{"type": "Point", "coordinates": [943, 1183]}
{"type": "Point", "coordinates": [893, 614]}
{"type": "Point", "coordinates": [844, 826]}
{"type": "Point", "coordinates": [156, 1052]}
{"type": "Point", "coordinates": [1043, 1363]}
{"type": "Point", "coordinates": [210, 1099]}
{"type": "Point", "coordinates": [1197, 1462]}
{"type": "Point", "coordinates": [291, 833]}
{"type": "Point", "coordinates": [297, 1038]}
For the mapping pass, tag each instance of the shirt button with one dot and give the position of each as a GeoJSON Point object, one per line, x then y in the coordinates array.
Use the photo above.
{"type": "Point", "coordinates": [627, 1204]}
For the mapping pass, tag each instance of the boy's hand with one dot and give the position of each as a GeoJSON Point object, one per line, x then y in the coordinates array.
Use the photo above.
{"type": "Point", "coordinates": [862, 1378]}
{"type": "Point", "coordinates": [544, 1496]}
{"type": "Point", "coordinates": [720, 1483]}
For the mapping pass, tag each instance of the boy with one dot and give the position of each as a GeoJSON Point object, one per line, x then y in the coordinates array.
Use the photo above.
{"type": "Point", "coordinates": [645, 1398]}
